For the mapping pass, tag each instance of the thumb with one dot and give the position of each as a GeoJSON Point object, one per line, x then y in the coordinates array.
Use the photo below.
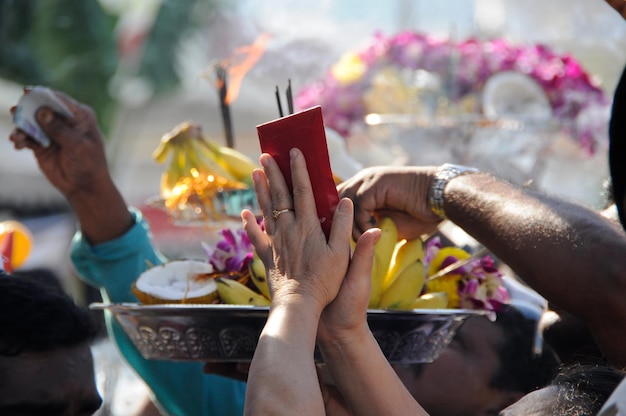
{"type": "Point", "coordinates": [361, 263]}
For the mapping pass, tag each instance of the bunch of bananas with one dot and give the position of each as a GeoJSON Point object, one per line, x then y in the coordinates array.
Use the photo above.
{"type": "Point", "coordinates": [399, 275]}
{"type": "Point", "coordinates": [240, 293]}
{"type": "Point", "coordinates": [198, 169]}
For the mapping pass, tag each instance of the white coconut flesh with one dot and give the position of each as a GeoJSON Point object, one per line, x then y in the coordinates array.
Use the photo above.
{"type": "Point", "coordinates": [177, 280]}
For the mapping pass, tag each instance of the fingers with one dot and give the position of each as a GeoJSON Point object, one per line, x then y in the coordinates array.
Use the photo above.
{"type": "Point", "coordinates": [63, 130]}
{"type": "Point", "coordinates": [280, 196]}
{"type": "Point", "coordinates": [363, 215]}
{"type": "Point", "coordinates": [22, 141]}
{"type": "Point", "coordinates": [257, 236]}
{"type": "Point", "coordinates": [272, 193]}
{"type": "Point", "coordinates": [262, 191]}
{"type": "Point", "coordinates": [342, 226]}
{"type": "Point", "coordinates": [303, 199]}
{"type": "Point", "coordinates": [60, 129]}
{"type": "Point", "coordinates": [361, 264]}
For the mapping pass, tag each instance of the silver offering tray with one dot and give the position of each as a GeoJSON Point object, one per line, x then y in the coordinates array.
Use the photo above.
{"type": "Point", "coordinates": [230, 332]}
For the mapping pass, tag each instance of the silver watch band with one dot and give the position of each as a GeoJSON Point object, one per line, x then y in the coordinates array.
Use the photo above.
{"type": "Point", "coordinates": [445, 174]}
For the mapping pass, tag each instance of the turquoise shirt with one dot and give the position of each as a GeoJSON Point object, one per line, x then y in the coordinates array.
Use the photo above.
{"type": "Point", "coordinates": [180, 388]}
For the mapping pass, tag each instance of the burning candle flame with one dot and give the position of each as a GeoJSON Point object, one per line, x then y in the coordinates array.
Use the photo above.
{"type": "Point", "coordinates": [240, 62]}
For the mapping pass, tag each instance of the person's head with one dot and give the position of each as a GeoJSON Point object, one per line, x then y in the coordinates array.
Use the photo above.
{"type": "Point", "coordinates": [488, 366]}
{"type": "Point", "coordinates": [46, 367]}
{"type": "Point", "coordinates": [577, 389]}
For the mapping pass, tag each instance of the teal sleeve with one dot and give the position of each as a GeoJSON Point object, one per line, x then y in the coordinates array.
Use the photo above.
{"type": "Point", "coordinates": [180, 388]}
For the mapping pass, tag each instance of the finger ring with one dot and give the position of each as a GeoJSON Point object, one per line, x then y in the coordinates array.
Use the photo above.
{"type": "Point", "coordinates": [276, 213]}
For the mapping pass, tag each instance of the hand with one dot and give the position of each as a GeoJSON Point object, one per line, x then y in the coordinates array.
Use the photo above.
{"type": "Point", "coordinates": [302, 265]}
{"type": "Point", "coordinates": [619, 6]}
{"type": "Point", "coordinates": [397, 192]}
{"type": "Point", "coordinates": [345, 318]}
{"type": "Point", "coordinates": [75, 161]}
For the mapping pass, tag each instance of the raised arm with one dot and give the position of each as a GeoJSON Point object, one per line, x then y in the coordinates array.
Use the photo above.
{"type": "Point", "coordinates": [570, 254]}
{"type": "Point", "coordinates": [311, 278]}
{"type": "Point", "coordinates": [75, 163]}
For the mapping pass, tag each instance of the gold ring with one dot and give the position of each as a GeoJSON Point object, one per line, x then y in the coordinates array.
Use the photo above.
{"type": "Point", "coordinates": [276, 213]}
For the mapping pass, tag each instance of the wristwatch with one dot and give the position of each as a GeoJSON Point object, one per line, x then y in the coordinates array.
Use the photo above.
{"type": "Point", "coordinates": [445, 174]}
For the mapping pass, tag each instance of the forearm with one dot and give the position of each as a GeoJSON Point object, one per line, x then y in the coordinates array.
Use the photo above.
{"type": "Point", "coordinates": [364, 377]}
{"type": "Point", "coordinates": [282, 378]}
{"type": "Point", "coordinates": [568, 253]}
{"type": "Point", "coordinates": [102, 212]}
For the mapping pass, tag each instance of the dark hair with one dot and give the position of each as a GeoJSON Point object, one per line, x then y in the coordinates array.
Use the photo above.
{"type": "Point", "coordinates": [37, 316]}
{"type": "Point", "coordinates": [520, 368]}
{"type": "Point", "coordinates": [582, 389]}
{"type": "Point", "coordinates": [617, 147]}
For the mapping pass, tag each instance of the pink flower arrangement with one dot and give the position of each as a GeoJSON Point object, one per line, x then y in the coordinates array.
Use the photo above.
{"type": "Point", "coordinates": [233, 253]}
{"type": "Point", "coordinates": [477, 284]}
{"type": "Point", "coordinates": [464, 66]}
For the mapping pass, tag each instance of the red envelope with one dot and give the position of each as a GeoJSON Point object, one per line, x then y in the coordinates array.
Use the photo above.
{"type": "Point", "coordinates": [305, 131]}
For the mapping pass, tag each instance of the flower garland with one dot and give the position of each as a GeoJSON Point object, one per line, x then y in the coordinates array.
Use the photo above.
{"type": "Point", "coordinates": [576, 100]}
{"type": "Point", "coordinates": [475, 285]}
{"type": "Point", "coordinates": [233, 253]}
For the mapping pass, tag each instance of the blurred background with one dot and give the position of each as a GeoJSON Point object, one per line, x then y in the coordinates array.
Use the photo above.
{"type": "Point", "coordinates": [147, 65]}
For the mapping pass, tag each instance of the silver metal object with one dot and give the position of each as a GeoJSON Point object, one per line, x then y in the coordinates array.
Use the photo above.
{"type": "Point", "coordinates": [231, 332]}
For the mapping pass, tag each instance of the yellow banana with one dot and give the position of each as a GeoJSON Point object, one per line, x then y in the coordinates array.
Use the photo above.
{"type": "Point", "coordinates": [206, 162]}
{"type": "Point", "coordinates": [170, 140]}
{"type": "Point", "coordinates": [406, 287]}
{"type": "Point", "coordinates": [434, 300]}
{"type": "Point", "coordinates": [170, 177]}
{"type": "Point", "coordinates": [259, 276]}
{"type": "Point", "coordinates": [238, 164]}
{"type": "Point", "coordinates": [232, 292]}
{"type": "Point", "coordinates": [384, 251]}
{"type": "Point", "coordinates": [406, 252]}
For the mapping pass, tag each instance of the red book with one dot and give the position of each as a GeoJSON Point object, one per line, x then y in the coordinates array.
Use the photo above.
{"type": "Point", "coordinates": [305, 131]}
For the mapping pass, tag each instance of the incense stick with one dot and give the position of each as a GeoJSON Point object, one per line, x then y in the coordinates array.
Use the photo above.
{"type": "Point", "coordinates": [280, 106]}
{"type": "Point", "coordinates": [289, 98]}
{"type": "Point", "coordinates": [222, 86]}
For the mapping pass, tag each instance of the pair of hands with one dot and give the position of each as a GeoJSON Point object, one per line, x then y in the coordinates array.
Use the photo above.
{"type": "Point", "coordinates": [305, 269]}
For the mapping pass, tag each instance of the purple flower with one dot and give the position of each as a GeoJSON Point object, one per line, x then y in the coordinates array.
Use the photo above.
{"type": "Point", "coordinates": [570, 90]}
{"type": "Point", "coordinates": [231, 254]}
{"type": "Point", "coordinates": [479, 284]}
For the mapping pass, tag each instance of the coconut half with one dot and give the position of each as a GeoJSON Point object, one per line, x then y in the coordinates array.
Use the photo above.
{"type": "Point", "coordinates": [181, 281]}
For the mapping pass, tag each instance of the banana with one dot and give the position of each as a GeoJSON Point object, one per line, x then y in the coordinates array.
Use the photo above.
{"type": "Point", "coordinates": [170, 177]}
{"type": "Point", "coordinates": [406, 287]}
{"type": "Point", "coordinates": [259, 276]}
{"type": "Point", "coordinates": [434, 300]}
{"type": "Point", "coordinates": [206, 162]}
{"type": "Point", "coordinates": [449, 284]}
{"type": "Point", "coordinates": [173, 138]}
{"type": "Point", "coordinates": [235, 293]}
{"type": "Point", "coordinates": [384, 248]}
{"type": "Point", "coordinates": [235, 162]}
{"type": "Point", "coordinates": [405, 253]}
